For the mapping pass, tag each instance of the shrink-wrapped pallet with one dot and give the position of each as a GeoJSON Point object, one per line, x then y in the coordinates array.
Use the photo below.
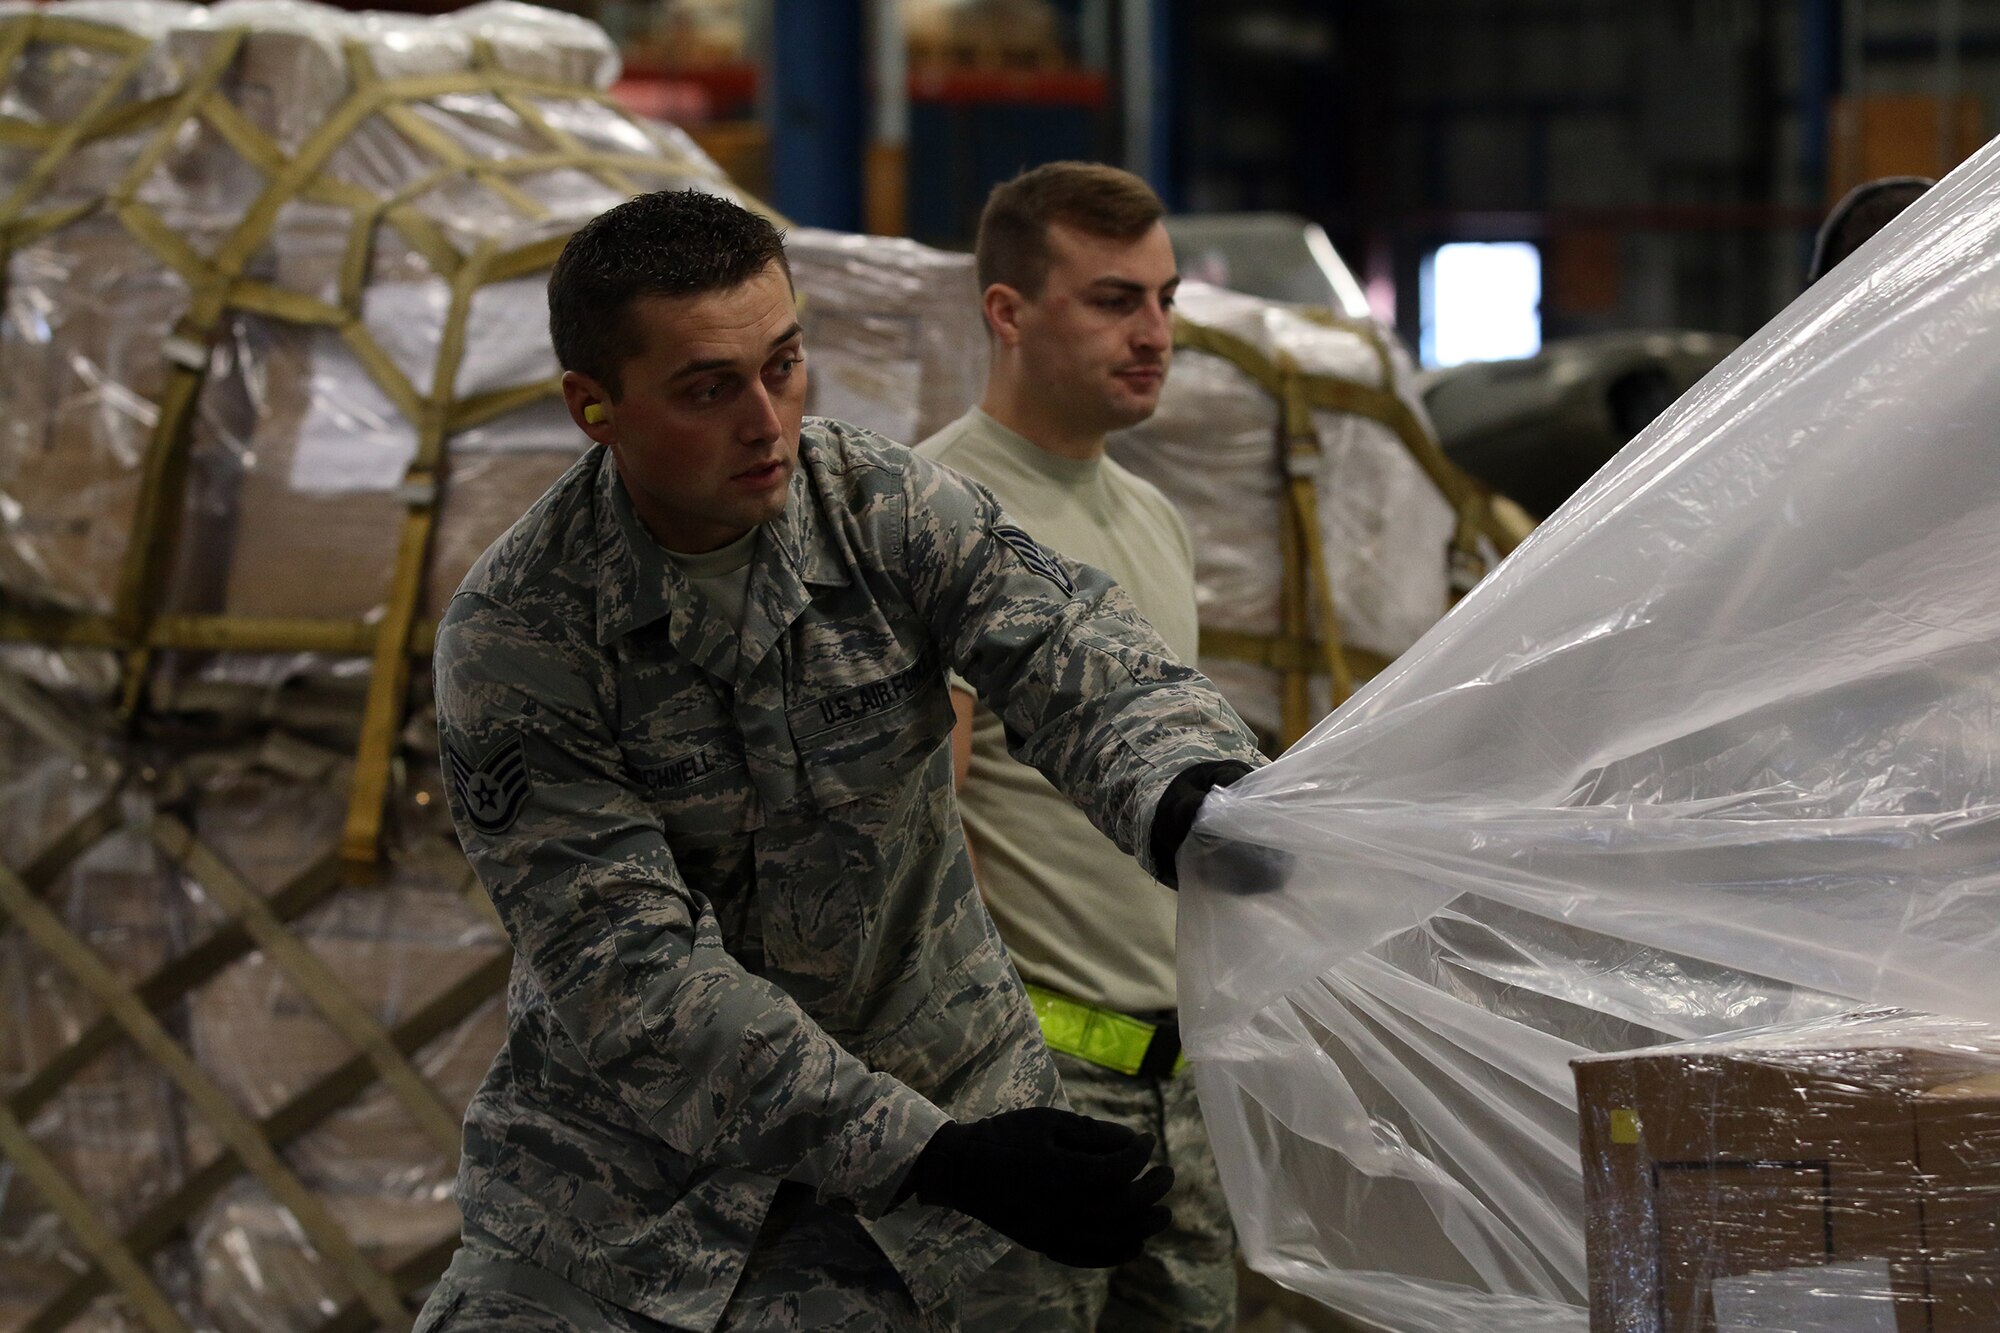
{"type": "Point", "coordinates": [87, 306]}
{"type": "Point", "coordinates": [1219, 447]}
{"type": "Point", "coordinates": [893, 329]}
{"type": "Point", "coordinates": [237, 1078]}
{"type": "Point", "coordinates": [358, 243]}
{"type": "Point", "coordinates": [1712, 750]}
{"type": "Point", "coordinates": [343, 1029]}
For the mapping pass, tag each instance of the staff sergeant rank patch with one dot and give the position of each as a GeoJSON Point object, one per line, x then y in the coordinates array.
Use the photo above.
{"type": "Point", "coordinates": [491, 792]}
{"type": "Point", "coordinates": [1035, 557]}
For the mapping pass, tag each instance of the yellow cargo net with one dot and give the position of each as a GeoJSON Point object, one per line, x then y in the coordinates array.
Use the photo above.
{"type": "Point", "coordinates": [138, 1013]}
{"type": "Point", "coordinates": [219, 284]}
{"type": "Point", "coordinates": [1309, 642]}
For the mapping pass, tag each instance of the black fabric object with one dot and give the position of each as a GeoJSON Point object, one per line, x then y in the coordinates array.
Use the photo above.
{"type": "Point", "coordinates": [1178, 806]}
{"type": "Point", "coordinates": [1062, 1184]}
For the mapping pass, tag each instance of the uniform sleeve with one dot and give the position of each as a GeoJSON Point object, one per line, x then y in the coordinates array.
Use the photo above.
{"type": "Point", "coordinates": [1088, 692]}
{"type": "Point", "coordinates": [722, 1065]}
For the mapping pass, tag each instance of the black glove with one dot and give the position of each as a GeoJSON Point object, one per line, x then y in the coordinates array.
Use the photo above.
{"type": "Point", "coordinates": [1236, 867]}
{"type": "Point", "coordinates": [1181, 802]}
{"type": "Point", "coordinates": [1060, 1183]}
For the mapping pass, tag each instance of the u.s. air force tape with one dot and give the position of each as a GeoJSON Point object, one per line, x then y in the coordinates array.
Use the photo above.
{"type": "Point", "coordinates": [1036, 557]}
{"type": "Point", "coordinates": [492, 791]}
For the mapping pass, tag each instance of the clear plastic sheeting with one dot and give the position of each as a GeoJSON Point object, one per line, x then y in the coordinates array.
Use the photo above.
{"type": "Point", "coordinates": [1841, 1176]}
{"type": "Point", "coordinates": [1713, 750]}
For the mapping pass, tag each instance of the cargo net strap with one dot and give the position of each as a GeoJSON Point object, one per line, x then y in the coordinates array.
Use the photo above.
{"type": "Point", "coordinates": [136, 1014]}
{"type": "Point", "coordinates": [1309, 642]}
{"type": "Point", "coordinates": [219, 285]}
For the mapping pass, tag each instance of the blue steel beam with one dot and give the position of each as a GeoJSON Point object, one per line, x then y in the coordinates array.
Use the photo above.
{"type": "Point", "coordinates": [819, 110]}
{"type": "Point", "coordinates": [1819, 84]}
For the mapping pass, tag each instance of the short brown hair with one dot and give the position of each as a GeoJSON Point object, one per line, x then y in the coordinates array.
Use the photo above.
{"type": "Point", "coordinates": [1013, 245]}
{"type": "Point", "coordinates": [670, 243]}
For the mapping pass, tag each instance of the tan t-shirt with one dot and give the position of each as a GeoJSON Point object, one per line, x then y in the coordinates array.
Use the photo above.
{"type": "Point", "coordinates": [1079, 915]}
{"type": "Point", "coordinates": [722, 575]}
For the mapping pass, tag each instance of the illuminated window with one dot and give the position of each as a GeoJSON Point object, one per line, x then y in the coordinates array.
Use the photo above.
{"type": "Point", "coordinates": [1481, 302]}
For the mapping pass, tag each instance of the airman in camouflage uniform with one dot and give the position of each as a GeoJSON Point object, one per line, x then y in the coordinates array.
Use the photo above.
{"type": "Point", "coordinates": [752, 976]}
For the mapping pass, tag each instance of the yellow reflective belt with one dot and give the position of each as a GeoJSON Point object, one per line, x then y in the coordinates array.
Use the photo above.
{"type": "Point", "coordinates": [1101, 1036]}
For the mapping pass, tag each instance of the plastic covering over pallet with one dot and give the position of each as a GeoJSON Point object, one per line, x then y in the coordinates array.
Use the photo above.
{"type": "Point", "coordinates": [1713, 751]}
{"type": "Point", "coordinates": [275, 361]}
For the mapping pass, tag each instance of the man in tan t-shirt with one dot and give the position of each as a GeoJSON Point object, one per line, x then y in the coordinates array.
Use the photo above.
{"type": "Point", "coordinates": [1078, 279]}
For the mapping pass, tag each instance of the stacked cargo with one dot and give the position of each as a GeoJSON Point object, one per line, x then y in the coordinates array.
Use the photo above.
{"type": "Point", "coordinates": [898, 345]}
{"type": "Point", "coordinates": [1327, 524]}
{"type": "Point", "coordinates": [267, 259]}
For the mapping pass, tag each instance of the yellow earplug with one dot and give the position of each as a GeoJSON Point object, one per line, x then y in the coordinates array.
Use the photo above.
{"type": "Point", "coordinates": [593, 413]}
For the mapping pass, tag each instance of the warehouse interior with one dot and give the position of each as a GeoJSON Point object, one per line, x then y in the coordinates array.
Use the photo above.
{"type": "Point", "coordinates": [1589, 535]}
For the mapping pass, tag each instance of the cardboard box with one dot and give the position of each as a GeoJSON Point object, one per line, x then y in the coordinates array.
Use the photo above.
{"type": "Point", "coordinates": [308, 541]}
{"type": "Point", "coordinates": [1835, 1179]}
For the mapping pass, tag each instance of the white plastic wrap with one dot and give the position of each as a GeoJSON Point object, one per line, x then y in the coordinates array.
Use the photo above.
{"type": "Point", "coordinates": [1714, 749]}
{"type": "Point", "coordinates": [893, 331]}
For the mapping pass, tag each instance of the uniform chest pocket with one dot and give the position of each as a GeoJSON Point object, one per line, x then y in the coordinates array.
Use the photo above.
{"type": "Point", "coordinates": [866, 740]}
{"type": "Point", "coordinates": [696, 782]}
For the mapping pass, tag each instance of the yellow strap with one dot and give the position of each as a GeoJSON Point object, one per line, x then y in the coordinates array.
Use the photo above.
{"type": "Point", "coordinates": [388, 682]}
{"type": "Point", "coordinates": [56, 30]}
{"type": "Point", "coordinates": [1279, 653]}
{"type": "Point", "coordinates": [134, 1282]}
{"type": "Point", "coordinates": [306, 1111]}
{"type": "Point", "coordinates": [172, 981]}
{"type": "Point", "coordinates": [1319, 587]}
{"type": "Point", "coordinates": [1101, 1036]}
{"type": "Point", "coordinates": [1303, 456]}
{"type": "Point", "coordinates": [228, 1122]}
{"type": "Point", "coordinates": [73, 134]}
{"type": "Point", "coordinates": [481, 408]}
{"type": "Point", "coordinates": [237, 130]}
{"type": "Point", "coordinates": [16, 31]}
{"type": "Point", "coordinates": [313, 977]}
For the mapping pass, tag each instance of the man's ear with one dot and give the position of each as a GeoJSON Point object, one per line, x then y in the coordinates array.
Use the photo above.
{"type": "Point", "coordinates": [1002, 306]}
{"type": "Point", "coordinates": [590, 407]}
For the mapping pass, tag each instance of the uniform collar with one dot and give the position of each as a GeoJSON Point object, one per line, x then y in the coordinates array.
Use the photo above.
{"type": "Point", "coordinates": [637, 584]}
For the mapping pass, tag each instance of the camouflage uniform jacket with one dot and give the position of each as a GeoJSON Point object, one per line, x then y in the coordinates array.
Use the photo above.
{"type": "Point", "coordinates": [748, 945]}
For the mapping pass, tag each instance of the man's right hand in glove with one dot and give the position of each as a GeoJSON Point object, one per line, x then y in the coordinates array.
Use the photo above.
{"type": "Point", "coordinates": [1060, 1183]}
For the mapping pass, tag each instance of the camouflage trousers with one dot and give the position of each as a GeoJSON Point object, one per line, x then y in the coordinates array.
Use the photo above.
{"type": "Point", "coordinates": [1185, 1282]}
{"type": "Point", "coordinates": [811, 1268]}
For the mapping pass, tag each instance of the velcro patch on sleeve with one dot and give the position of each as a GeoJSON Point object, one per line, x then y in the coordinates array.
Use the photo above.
{"type": "Point", "coordinates": [1036, 557]}
{"type": "Point", "coordinates": [492, 791]}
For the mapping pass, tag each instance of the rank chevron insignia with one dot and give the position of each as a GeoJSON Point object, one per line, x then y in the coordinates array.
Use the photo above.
{"type": "Point", "coordinates": [1035, 557]}
{"type": "Point", "coordinates": [491, 792]}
